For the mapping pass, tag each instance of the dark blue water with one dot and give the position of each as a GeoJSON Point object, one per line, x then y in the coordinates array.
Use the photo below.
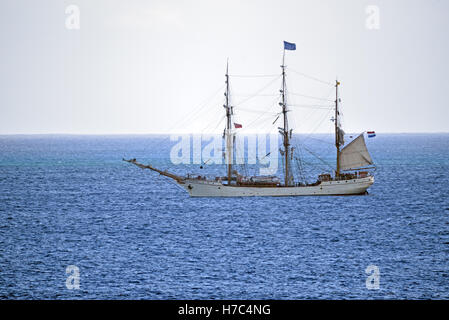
{"type": "Point", "coordinates": [70, 200]}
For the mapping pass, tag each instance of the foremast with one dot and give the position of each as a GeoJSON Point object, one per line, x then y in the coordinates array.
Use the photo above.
{"type": "Point", "coordinates": [228, 130]}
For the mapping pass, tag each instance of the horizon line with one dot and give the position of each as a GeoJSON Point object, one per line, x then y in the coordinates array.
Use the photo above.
{"type": "Point", "coordinates": [199, 133]}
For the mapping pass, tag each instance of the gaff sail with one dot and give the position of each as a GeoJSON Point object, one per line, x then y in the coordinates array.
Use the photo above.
{"type": "Point", "coordinates": [355, 154]}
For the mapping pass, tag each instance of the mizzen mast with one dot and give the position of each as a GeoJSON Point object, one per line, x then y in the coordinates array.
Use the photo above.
{"type": "Point", "coordinates": [338, 133]}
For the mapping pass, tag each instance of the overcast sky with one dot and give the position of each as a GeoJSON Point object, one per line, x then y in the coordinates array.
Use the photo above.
{"type": "Point", "coordinates": [145, 66]}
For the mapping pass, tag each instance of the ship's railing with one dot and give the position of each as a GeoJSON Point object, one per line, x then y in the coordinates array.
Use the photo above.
{"type": "Point", "coordinates": [203, 179]}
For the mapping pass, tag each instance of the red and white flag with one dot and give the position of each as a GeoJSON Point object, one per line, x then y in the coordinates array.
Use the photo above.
{"type": "Point", "coordinates": [237, 125]}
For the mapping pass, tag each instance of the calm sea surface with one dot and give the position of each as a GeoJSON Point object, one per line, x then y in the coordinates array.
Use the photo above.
{"type": "Point", "coordinates": [70, 200]}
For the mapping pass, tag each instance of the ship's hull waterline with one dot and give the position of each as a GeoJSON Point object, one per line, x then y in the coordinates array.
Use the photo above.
{"type": "Point", "coordinates": [202, 188]}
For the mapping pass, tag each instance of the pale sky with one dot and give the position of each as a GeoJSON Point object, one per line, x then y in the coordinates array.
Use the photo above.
{"type": "Point", "coordinates": [145, 66]}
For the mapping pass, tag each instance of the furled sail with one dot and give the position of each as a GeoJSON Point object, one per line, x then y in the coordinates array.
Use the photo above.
{"type": "Point", "coordinates": [341, 136]}
{"type": "Point", "coordinates": [355, 154]}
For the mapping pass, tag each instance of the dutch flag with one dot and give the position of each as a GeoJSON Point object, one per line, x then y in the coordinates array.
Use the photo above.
{"type": "Point", "coordinates": [371, 134]}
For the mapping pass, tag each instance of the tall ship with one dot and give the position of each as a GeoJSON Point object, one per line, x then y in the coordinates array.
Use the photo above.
{"type": "Point", "coordinates": [353, 173]}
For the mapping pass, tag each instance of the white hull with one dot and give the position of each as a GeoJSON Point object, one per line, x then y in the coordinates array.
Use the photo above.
{"type": "Point", "coordinates": [203, 188]}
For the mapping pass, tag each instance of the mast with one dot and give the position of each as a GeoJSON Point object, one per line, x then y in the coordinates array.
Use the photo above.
{"type": "Point", "coordinates": [228, 127]}
{"type": "Point", "coordinates": [337, 129]}
{"type": "Point", "coordinates": [285, 128]}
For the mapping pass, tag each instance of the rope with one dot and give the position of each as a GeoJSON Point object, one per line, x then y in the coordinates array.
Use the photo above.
{"type": "Point", "coordinates": [319, 124]}
{"type": "Point", "coordinates": [200, 107]}
{"type": "Point", "coordinates": [254, 76]}
{"type": "Point", "coordinates": [316, 156]}
{"type": "Point", "coordinates": [265, 112]}
{"type": "Point", "coordinates": [195, 113]}
{"type": "Point", "coordinates": [315, 106]}
{"type": "Point", "coordinates": [327, 142]}
{"type": "Point", "coordinates": [205, 130]}
{"type": "Point", "coordinates": [259, 95]}
{"type": "Point", "coordinates": [311, 97]}
{"type": "Point", "coordinates": [257, 92]}
{"type": "Point", "coordinates": [311, 77]}
{"type": "Point", "coordinates": [255, 111]}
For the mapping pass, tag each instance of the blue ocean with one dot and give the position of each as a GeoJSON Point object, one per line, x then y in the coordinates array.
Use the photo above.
{"type": "Point", "coordinates": [71, 201]}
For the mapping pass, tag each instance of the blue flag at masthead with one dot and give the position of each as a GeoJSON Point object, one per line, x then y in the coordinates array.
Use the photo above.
{"type": "Point", "coordinates": [289, 46]}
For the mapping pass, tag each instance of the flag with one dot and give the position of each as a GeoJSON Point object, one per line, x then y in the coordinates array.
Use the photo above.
{"type": "Point", "coordinates": [371, 134]}
{"type": "Point", "coordinates": [237, 125]}
{"type": "Point", "coordinates": [289, 46]}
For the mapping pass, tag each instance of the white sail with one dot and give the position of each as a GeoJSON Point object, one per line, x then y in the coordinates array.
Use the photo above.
{"type": "Point", "coordinates": [355, 154]}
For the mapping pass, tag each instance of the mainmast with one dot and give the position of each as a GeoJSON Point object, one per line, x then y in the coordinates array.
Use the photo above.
{"type": "Point", "coordinates": [285, 128]}
{"type": "Point", "coordinates": [337, 130]}
{"type": "Point", "coordinates": [228, 127]}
